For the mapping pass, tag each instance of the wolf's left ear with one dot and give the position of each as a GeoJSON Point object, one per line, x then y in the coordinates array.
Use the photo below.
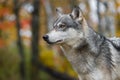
{"type": "Point", "coordinates": [77, 13]}
{"type": "Point", "coordinates": [59, 11]}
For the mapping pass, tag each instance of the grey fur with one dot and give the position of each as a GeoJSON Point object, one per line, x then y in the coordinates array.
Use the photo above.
{"type": "Point", "coordinates": [92, 56]}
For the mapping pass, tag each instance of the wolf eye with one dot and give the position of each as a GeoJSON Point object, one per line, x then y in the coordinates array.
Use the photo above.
{"type": "Point", "coordinates": [62, 25]}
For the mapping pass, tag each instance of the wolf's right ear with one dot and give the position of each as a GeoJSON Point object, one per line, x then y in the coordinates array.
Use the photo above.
{"type": "Point", "coordinates": [77, 13]}
{"type": "Point", "coordinates": [59, 11]}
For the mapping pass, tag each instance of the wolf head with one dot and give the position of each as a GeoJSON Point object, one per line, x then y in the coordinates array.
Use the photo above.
{"type": "Point", "coordinates": [67, 29]}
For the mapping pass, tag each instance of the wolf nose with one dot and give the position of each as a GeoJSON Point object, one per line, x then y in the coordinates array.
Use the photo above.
{"type": "Point", "coordinates": [45, 37]}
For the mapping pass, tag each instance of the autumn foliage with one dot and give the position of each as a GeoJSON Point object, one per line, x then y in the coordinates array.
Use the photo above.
{"type": "Point", "coordinates": [50, 56]}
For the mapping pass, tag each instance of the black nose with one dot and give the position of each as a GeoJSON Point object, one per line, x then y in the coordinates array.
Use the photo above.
{"type": "Point", "coordinates": [45, 37]}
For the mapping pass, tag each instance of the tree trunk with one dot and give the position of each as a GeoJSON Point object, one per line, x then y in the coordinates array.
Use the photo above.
{"type": "Point", "coordinates": [49, 13]}
{"type": "Point", "coordinates": [19, 41]}
{"type": "Point", "coordinates": [35, 40]}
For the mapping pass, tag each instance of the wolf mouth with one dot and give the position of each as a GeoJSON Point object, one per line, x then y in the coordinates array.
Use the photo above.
{"type": "Point", "coordinates": [57, 42]}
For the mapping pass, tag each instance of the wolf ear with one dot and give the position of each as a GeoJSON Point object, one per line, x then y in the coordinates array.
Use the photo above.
{"type": "Point", "coordinates": [77, 13]}
{"type": "Point", "coordinates": [59, 11]}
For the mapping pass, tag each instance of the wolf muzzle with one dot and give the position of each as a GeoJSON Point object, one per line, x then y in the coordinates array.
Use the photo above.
{"type": "Point", "coordinates": [46, 38]}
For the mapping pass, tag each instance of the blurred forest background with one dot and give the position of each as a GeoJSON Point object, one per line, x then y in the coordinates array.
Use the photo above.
{"type": "Point", "coordinates": [23, 53]}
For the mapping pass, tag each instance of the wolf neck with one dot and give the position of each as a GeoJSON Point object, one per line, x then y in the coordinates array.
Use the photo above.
{"type": "Point", "coordinates": [93, 39]}
{"type": "Point", "coordinates": [82, 56]}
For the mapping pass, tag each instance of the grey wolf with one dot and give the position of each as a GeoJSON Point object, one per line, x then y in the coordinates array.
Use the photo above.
{"type": "Point", "coordinates": [92, 56]}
